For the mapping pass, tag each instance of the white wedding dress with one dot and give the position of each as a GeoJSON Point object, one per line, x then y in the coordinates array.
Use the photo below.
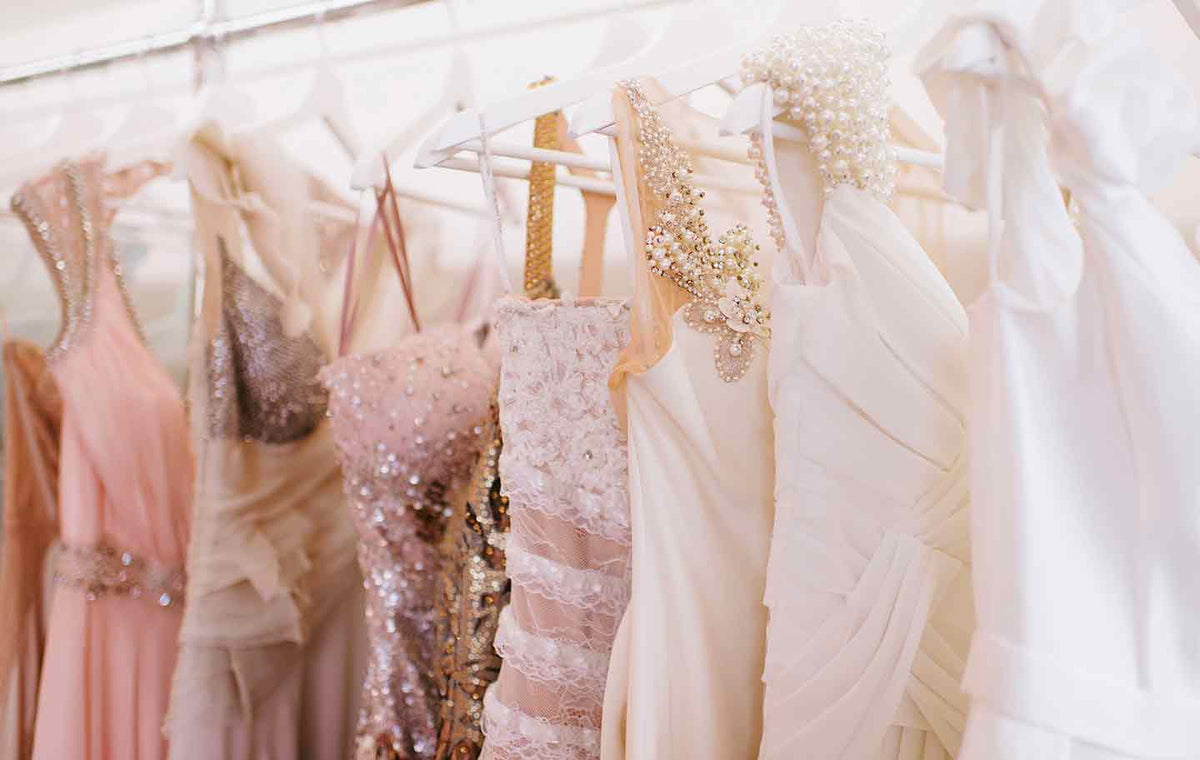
{"type": "Point", "coordinates": [868, 584]}
{"type": "Point", "coordinates": [1085, 369]}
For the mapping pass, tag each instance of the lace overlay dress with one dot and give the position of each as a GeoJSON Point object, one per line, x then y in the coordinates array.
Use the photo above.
{"type": "Point", "coordinates": [564, 472]}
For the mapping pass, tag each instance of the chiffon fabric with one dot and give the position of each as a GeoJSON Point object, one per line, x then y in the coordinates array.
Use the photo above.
{"type": "Point", "coordinates": [124, 482]}
{"type": "Point", "coordinates": [685, 674]}
{"type": "Point", "coordinates": [868, 583]}
{"type": "Point", "coordinates": [1084, 366]}
{"type": "Point", "coordinates": [272, 649]}
{"type": "Point", "coordinates": [32, 422]}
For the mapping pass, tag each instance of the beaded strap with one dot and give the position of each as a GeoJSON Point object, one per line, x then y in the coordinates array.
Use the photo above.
{"type": "Point", "coordinates": [720, 277]}
{"type": "Point", "coordinates": [833, 79]}
{"type": "Point", "coordinates": [101, 571]}
{"type": "Point", "coordinates": [539, 222]}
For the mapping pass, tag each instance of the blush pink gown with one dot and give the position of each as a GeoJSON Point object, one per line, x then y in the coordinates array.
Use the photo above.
{"type": "Point", "coordinates": [125, 479]}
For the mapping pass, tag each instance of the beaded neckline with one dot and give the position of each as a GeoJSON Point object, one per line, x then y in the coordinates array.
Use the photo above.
{"type": "Point", "coordinates": [75, 280]}
{"type": "Point", "coordinates": [720, 277]}
{"type": "Point", "coordinates": [831, 78]}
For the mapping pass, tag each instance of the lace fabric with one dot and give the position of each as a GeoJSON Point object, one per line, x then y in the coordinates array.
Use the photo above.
{"type": "Point", "coordinates": [564, 471]}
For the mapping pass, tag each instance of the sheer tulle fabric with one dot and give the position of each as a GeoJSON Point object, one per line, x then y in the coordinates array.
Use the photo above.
{"type": "Point", "coordinates": [125, 478]}
{"type": "Point", "coordinates": [32, 420]}
{"type": "Point", "coordinates": [271, 649]}
{"type": "Point", "coordinates": [1085, 360]}
{"type": "Point", "coordinates": [563, 469]}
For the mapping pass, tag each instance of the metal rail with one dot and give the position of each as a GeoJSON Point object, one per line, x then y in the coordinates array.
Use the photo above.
{"type": "Point", "coordinates": [198, 35]}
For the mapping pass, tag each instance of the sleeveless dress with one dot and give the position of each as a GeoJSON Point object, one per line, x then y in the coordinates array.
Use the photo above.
{"type": "Point", "coordinates": [271, 649]}
{"type": "Point", "coordinates": [410, 422]}
{"type": "Point", "coordinates": [686, 668]}
{"type": "Point", "coordinates": [868, 583]}
{"type": "Point", "coordinates": [564, 473]}
{"type": "Point", "coordinates": [1085, 361]}
{"type": "Point", "coordinates": [124, 490]}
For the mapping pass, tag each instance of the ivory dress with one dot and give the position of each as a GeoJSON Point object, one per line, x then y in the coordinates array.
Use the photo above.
{"type": "Point", "coordinates": [868, 584]}
{"type": "Point", "coordinates": [271, 649]}
{"type": "Point", "coordinates": [1084, 366]}
{"type": "Point", "coordinates": [685, 675]}
{"type": "Point", "coordinates": [124, 489]}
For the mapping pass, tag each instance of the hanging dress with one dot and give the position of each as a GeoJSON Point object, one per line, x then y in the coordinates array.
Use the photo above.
{"type": "Point", "coordinates": [271, 649]}
{"type": "Point", "coordinates": [1085, 360]}
{"type": "Point", "coordinates": [32, 425]}
{"type": "Point", "coordinates": [685, 675]}
{"type": "Point", "coordinates": [868, 583]}
{"type": "Point", "coordinates": [124, 488]}
{"type": "Point", "coordinates": [564, 472]}
{"type": "Point", "coordinates": [410, 422]}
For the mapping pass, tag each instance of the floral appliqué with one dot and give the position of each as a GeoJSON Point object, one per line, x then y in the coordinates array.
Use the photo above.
{"type": "Point", "coordinates": [721, 277]}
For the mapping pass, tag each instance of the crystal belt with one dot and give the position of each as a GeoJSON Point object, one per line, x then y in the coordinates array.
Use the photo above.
{"type": "Point", "coordinates": [101, 571]}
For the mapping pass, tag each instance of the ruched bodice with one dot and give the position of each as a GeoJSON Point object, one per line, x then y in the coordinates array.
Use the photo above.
{"type": "Point", "coordinates": [1085, 357]}
{"type": "Point", "coordinates": [868, 583]}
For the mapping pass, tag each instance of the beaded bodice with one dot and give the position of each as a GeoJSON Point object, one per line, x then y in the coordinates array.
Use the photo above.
{"type": "Point", "coordinates": [409, 423]}
{"type": "Point", "coordinates": [263, 383]}
{"type": "Point", "coordinates": [67, 215]}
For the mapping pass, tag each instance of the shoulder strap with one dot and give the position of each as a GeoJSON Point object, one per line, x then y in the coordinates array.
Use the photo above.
{"type": "Point", "coordinates": [539, 221]}
{"type": "Point", "coordinates": [387, 218]}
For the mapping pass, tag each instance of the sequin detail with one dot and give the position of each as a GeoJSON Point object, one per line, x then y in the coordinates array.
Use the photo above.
{"type": "Point", "coordinates": [409, 423]}
{"type": "Point", "coordinates": [263, 383]}
{"type": "Point", "coordinates": [721, 277]}
{"type": "Point", "coordinates": [474, 589]}
{"type": "Point", "coordinates": [58, 212]}
{"type": "Point", "coordinates": [100, 571]}
{"type": "Point", "coordinates": [832, 78]}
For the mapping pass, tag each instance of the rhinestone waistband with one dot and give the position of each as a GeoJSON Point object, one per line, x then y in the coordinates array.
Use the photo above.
{"type": "Point", "coordinates": [103, 571]}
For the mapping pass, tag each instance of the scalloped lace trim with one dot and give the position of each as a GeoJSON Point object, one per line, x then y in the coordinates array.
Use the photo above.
{"type": "Point", "coordinates": [525, 737]}
{"type": "Point", "coordinates": [586, 589]}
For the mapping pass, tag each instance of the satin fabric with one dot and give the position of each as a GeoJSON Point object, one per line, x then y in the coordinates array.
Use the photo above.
{"type": "Point", "coordinates": [1085, 360]}
{"type": "Point", "coordinates": [685, 675]}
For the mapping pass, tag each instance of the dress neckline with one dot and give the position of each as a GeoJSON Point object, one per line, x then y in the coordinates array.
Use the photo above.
{"type": "Point", "coordinates": [82, 178]}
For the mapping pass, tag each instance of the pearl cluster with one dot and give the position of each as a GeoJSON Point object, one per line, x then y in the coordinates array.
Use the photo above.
{"type": "Point", "coordinates": [833, 79]}
{"type": "Point", "coordinates": [721, 277]}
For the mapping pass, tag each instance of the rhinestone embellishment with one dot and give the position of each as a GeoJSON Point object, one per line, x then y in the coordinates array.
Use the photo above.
{"type": "Point", "coordinates": [100, 571]}
{"type": "Point", "coordinates": [833, 80]}
{"type": "Point", "coordinates": [720, 277]}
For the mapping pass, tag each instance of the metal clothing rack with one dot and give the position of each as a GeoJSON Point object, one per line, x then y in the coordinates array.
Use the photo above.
{"type": "Point", "coordinates": [203, 34]}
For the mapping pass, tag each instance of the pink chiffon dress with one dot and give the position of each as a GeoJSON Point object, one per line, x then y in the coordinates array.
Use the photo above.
{"type": "Point", "coordinates": [124, 490]}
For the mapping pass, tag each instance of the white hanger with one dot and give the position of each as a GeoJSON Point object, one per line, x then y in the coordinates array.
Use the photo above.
{"type": "Point", "coordinates": [1190, 11]}
{"type": "Point", "coordinates": [325, 101]}
{"type": "Point", "coordinates": [684, 75]}
{"type": "Point", "coordinates": [694, 25]}
{"type": "Point", "coordinates": [368, 170]}
{"type": "Point", "coordinates": [145, 127]}
{"type": "Point", "coordinates": [73, 133]}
